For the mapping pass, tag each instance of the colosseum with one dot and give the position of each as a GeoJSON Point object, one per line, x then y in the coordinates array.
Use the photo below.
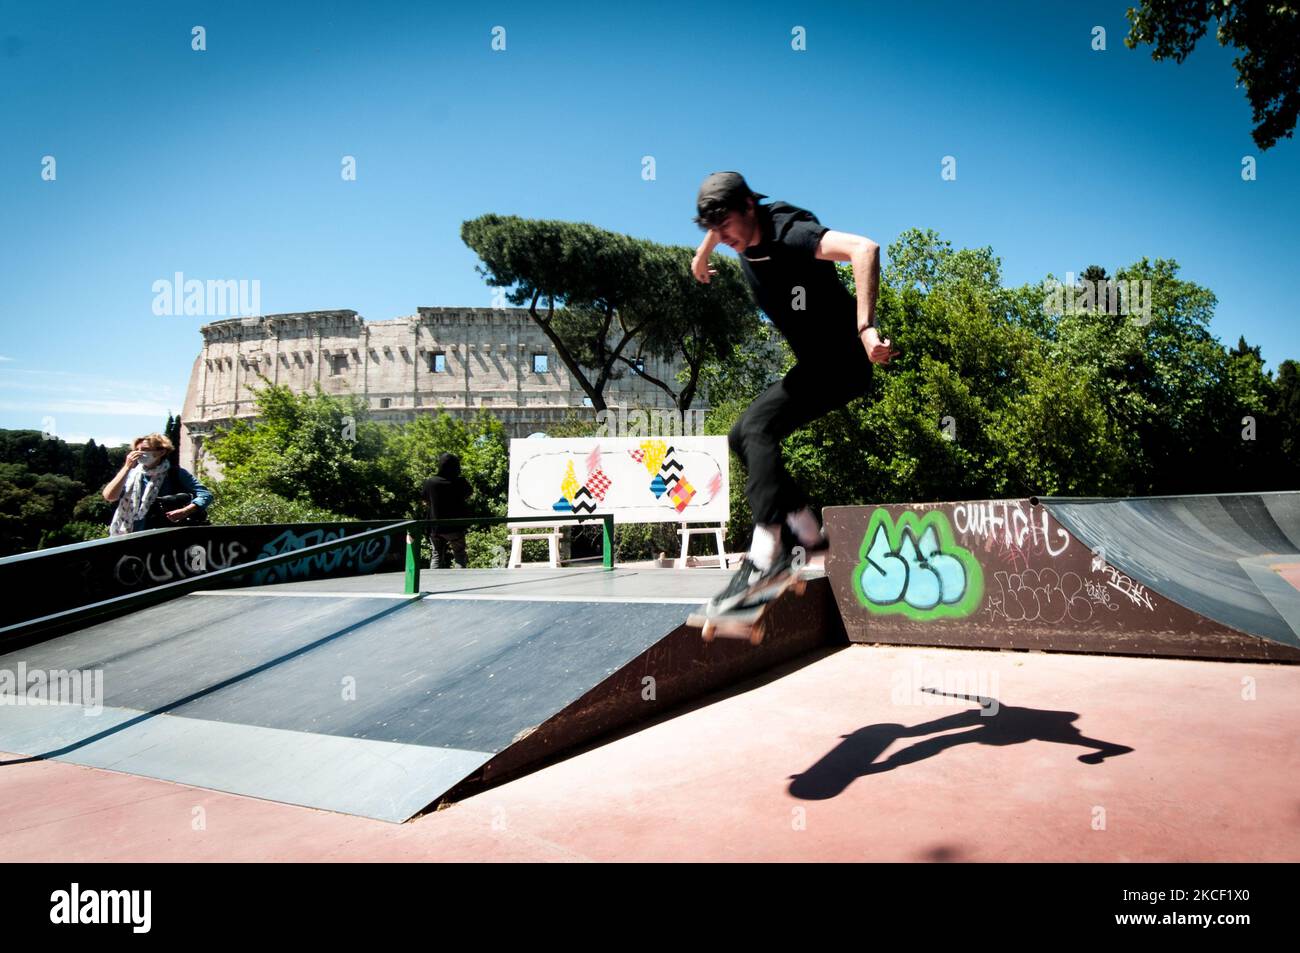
{"type": "Point", "coordinates": [455, 359]}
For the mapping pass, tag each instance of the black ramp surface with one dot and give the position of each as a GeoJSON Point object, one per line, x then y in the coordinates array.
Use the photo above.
{"type": "Point", "coordinates": [1190, 549]}
{"type": "Point", "coordinates": [439, 684]}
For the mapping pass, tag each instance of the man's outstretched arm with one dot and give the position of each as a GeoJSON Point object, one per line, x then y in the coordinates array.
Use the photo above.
{"type": "Point", "coordinates": [864, 254]}
{"type": "Point", "coordinates": [700, 263]}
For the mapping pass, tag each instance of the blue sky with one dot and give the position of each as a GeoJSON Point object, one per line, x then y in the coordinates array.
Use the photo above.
{"type": "Point", "coordinates": [225, 164]}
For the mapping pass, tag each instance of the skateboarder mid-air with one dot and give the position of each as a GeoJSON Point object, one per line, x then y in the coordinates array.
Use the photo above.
{"type": "Point", "coordinates": [788, 259]}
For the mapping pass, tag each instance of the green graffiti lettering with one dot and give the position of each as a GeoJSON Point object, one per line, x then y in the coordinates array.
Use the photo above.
{"type": "Point", "coordinates": [914, 567]}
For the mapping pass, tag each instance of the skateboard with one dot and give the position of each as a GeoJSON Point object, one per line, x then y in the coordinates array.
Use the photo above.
{"type": "Point", "coordinates": [745, 622]}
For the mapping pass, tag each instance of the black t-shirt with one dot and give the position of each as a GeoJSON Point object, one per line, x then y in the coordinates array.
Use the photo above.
{"type": "Point", "coordinates": [825, 329]}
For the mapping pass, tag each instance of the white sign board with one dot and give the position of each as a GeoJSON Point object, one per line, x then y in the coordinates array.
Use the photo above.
{"type": "Point", "coordinates": [637, 479]}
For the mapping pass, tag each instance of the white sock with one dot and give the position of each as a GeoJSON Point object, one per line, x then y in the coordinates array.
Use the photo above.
{"type": "Point", "coordinates": [766, 544]}
{"type": "Point", "coordinates": [804, 525]}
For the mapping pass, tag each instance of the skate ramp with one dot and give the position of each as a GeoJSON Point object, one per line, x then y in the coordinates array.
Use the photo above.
{"type": "Point", "coordinates": [1197, 577]}
{"type": "Point", "coordinates": [1210, 554]}
{"type": "Point", "coordinates": [377, 704]}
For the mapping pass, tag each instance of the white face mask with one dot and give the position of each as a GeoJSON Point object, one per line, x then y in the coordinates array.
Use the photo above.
{"type": "Point", "coordinates": [150, 459]}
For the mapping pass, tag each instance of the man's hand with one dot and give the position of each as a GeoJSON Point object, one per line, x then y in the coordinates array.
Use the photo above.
{"type": "Point", "coordinates": [700, 267]}
{"type": "Point", "coordinates": [176, 516]}
{"type": "Point", "coordinates": [877, 350]}
{"type": "Point", "coordinates": [700, 263]}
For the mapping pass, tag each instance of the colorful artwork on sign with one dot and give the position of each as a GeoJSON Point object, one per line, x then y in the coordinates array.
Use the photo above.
{"type": "Point", "coordinates": [637, 479]}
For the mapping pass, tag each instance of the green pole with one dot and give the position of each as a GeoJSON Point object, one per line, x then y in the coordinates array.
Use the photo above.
{"type": "Point", "coordinates": [412, 566]}
{"type": "Point", "coordinates": [608, 520]}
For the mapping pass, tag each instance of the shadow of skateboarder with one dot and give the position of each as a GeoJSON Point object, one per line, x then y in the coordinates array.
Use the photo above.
{"type": "Point", "coordinates": [856, 754]}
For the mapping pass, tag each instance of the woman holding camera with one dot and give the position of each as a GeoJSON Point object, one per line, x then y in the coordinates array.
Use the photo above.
{"type": "Point", "coordinates": [151, 493]}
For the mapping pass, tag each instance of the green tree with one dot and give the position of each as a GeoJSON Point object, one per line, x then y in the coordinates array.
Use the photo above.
{"type": "Point", "coordinates": [255, 505]}
{"type": "Point", "coordinates": [70, 533]}
{"type": "Point", "coordinates": [1286, 411]}
{"type": "Point", "coordinates": [314, 448]}
{"type": "Point", "coordinates": [411, 457]}
{"type": "Point", "coordinates": [1164, 382]}
{"type": "Point", "coordinates": [33, 504]}
{"type": "Point", "coordinates": [315, 456]}
{"type": "Point", "coordinates": [173, 433]}
{"type": "Point", "coordinates": [608, 300]}
{"type": "Point", "coordinates": [754, 362]}
{"type": "Point", "coordinates": [93, 469]}
{"type": "Point", "coordinates": [37, 452]}
{"type": "Point", "coordinates": [93, 508]}
{"type": "Point", "coordinates": [1266, 35]}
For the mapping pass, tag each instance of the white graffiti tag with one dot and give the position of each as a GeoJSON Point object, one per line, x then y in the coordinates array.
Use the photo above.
{"type": "Point", "coordinates": [1100, 595]}
{"type": "Point", "coordinates": [1136, 592]}
{"type": "Point", "coordinates": [1008, 522]}
{"type": "Point", "coordinates": [170, 565]}
{"type": "Point", "coordinates": [1038, 595]}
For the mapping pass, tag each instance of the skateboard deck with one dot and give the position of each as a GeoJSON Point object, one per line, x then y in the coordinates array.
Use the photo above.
{"type": "Point", "coordinates": [746, 622]}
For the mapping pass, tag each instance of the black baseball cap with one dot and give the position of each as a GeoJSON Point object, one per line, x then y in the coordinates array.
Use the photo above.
{"type": "Point", "coordinates": [722, 192]}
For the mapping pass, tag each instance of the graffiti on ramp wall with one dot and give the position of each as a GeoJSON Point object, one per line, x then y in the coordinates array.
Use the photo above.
{"type": "Point", "coordinates": [914, 567]}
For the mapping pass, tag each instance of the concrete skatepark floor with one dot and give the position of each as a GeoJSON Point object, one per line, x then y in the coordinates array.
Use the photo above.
{"type": "Point", "coordinates": [1209, 777]}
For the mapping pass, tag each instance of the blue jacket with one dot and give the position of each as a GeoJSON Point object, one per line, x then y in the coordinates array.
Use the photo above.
{"type": "Point", "coordinates": [176, 480]}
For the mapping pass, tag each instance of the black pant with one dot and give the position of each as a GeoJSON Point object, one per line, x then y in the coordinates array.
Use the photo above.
{"type": "Point", "coordinates": [804, 394]}
{"type": "Point", "coordinates": [448, 540]}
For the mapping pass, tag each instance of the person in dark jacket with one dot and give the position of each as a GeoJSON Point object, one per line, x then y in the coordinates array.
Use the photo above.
{"type": "Point", "coordinates": [151, 493]}
{"type": "Point", "coordinates": [448, 497]}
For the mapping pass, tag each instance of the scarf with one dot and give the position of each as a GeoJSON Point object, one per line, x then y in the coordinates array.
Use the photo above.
{"type": "Point", "coordinates": [136, 497]}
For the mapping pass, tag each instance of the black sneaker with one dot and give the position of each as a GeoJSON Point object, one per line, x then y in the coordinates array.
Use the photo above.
{"type": "Point", "coordinates": [748, 580]}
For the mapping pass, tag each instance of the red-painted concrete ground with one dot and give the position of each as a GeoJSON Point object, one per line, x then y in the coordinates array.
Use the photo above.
{"type": "Point", "coordinates": [1212, 776]}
